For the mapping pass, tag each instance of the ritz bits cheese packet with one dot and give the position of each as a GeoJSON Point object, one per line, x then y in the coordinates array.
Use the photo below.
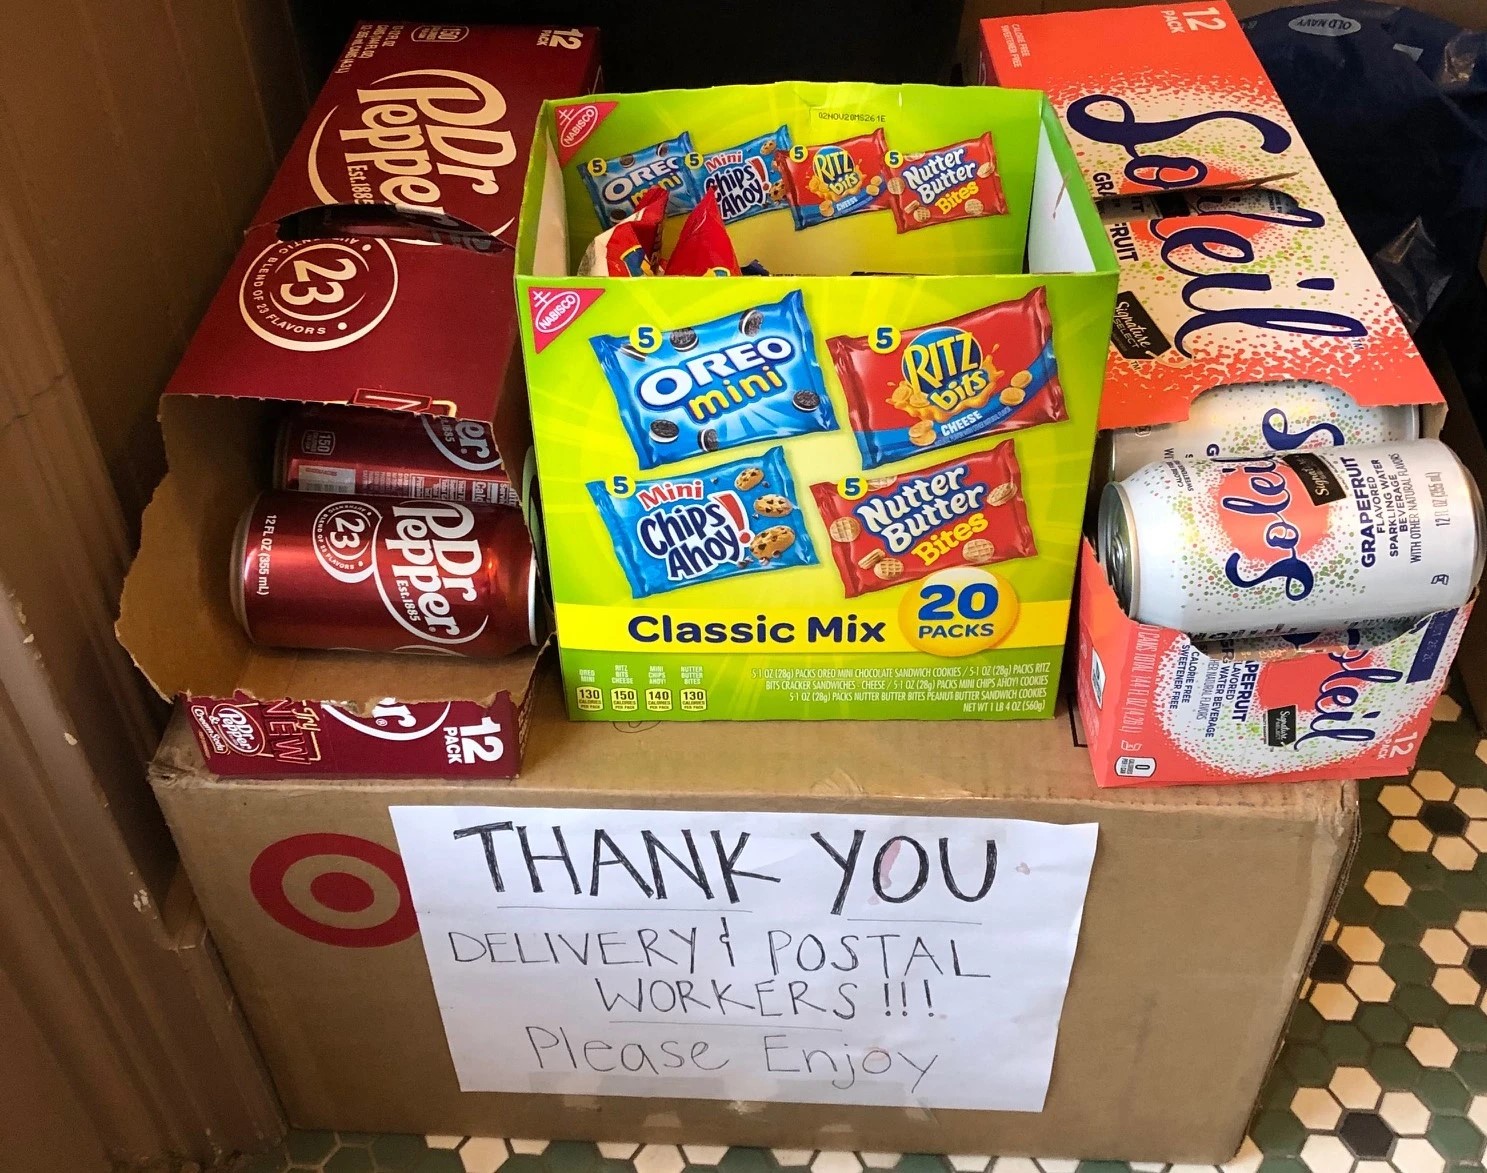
{"type": "Point", "coordinates": [735, 518]}
{"type": "Point", "coordinates": [957, 182]}
{"type": "Point", "coordinates": [631, 248]}
{"type": "Point", "coordinates": [703, 248]}
{"type": "Point", "coordinates": [734, 380]}
{"type": "Point", "coordinates": [832, 180]}
{"type": "Point", "coordinates": [888, 530]}
{"type": "Point", "coordinates": [616, 185]}
{"type": "Point", "coordinates": [991, 370]}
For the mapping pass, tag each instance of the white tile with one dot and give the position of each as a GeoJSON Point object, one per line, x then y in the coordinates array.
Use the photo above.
{"type": "Point", "coordinates": [1454, 853]}
{"type": "Point", "coordinates": [1316, 1108]}
{"type": "Point", "coordinates": [1405, 1114]}
{"type": "Point", "coordinates": [1477, 1112]}
{"type": "Point", "coordinates": [1360, 943]}
{"type": "Point", "coordinates": [791, 1158]}
{"type": "Point", "coordinates": [1432, 784]}
{"type": "Point", "coordinates": [1472, 926]}
{"type": "Point", "coordinates": [1373, 1167]}
{"type": "Point", "coordinates": [880, 1160]}
{"type": "Point", "coordinates": [533, 1148]}
{"type": "Point", "coordinates": [837, 1162]}
{"type": "Point", "coordinates": [1482, 750]}
{"type": "Point", "coordinates": [1246, 1160]}
{"type": "Point", "coordinates": [1456, 986]}
{"type": "Point", "coordinates": [1015, 1165]}
{"type": "Point", "coordinates": [483, 1154]}
{"type": "Point", "coordinates": [1326, 1154]}
{"type": "Point", "coordinates": [1354, 1087]}
{"type": "Point", "coordinates": [1334, 1002]}
{"type": "Point", "coordinates": [1447, 708]}
{"type": "Point", "coordinates": [1370, 983]}
{"type": "Point", "coordinates": [1052, 1165]}
{"type": "Point", "coordinates": [1414, 1154]}
{"type": "Point", "coordinates": [1193, 1169]}
{"type": "Point", "coordinates": [435, 1141]}
{"type": "Point", "coordinates": [659, 1158]}
{"type": "Point", "coordinates": [705, 1154]}
{"type": "Point", "coordinates": [1409, 835]}
{"type": "Point", "coordinates": [968, 1163]}
{"type": "Point", "coordinates": [617, 1150]}
{"type": "Point", "coordinates": [1399, 800]}
{"type": "Point", "coordinates": [1148, 1167]}
{"type": "Point", "coordinates": [1472, 802]}
{"type": "Point", "coordinates": [1443, 946]}
{"type": "Point", "coordinates": [1476, 834]}
{"type": "Point", "coordinates": [1387, 888]}
{"type": "Point", "coordinates": [1431, 1046]}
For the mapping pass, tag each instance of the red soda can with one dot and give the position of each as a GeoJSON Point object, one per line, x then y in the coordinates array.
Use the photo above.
{"type": "Point", "coordinates": [364, 452]}
{"type": "Point", "coordinates": [383, 575]}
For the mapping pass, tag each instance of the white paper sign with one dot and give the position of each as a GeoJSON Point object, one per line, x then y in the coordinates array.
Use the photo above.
{"type": "Point", "coordinates": [818, 958]}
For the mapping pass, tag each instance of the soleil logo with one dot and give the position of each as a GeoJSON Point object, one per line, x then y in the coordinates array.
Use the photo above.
{"type": "Point", "coordinates": [1270, 496]}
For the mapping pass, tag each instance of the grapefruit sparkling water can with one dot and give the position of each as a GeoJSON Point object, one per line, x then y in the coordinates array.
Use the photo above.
{"type": "Point", "coordinates": [383, 575]}
{"type": "Point", "coordinates": [1299, 541]}
{"type": "Point", "coordinates": [1251, 418]}
{"type": "Point", "coordinates": [361, 451]}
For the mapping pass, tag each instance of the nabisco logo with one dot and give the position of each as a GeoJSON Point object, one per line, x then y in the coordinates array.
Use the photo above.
{"type": "Point", "coordinates": [413, 138]}
{"type": "Point", "coordinates": [391, 720]}
{"type": "Point", "coordinates": [318, 294]}
{"type": "Point", "coordinates": [558, 314]}
{"type": "Point", "coordinates": [426, 571]}
{"type": "Point", "coordinates": [575, 124]}
{"type": "Point", "coordinates": [466, 444]}
{"type": "Point", "coordinates": [238, 729]}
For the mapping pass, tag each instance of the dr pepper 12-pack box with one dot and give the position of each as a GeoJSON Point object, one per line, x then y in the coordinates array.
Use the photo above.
{"type": "Point", "coordinates": [850, 483]}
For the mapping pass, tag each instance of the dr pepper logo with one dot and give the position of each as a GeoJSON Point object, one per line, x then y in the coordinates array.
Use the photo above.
{"type": "Point", "coordinates": [318, 294]}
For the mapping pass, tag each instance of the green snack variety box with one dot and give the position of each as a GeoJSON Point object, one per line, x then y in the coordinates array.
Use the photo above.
{"type": "Point", "coordinates": [849, 488]}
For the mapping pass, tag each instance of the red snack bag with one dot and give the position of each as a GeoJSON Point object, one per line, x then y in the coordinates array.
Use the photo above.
{"type": "Point", "coordinates": [966, 512]}
{"type": "Point", "coordinates": [832, 180]}
{"type": "Point", "coordinates": [703, 247]}
{"type": "Point", "coordinates": [991, 370]}
{"type": "Point", "coordinates": [957, 182]}
{"type": "Point", "coordinates": [631, 248]}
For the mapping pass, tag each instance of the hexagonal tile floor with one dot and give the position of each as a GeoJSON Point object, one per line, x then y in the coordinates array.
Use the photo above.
{"type": "Point", "coordinates": [1385, 1069]}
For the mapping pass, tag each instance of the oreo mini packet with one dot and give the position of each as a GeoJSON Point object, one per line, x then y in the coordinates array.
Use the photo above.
{"type": "Point", "coordinates": [616, 185]}
{"type": "Point", "coordinates": [832, 180]}
{"type": "Point", "coordinates": [736, 518]}
{"type": "Point", "coordinates": [738, 379]}
{"type": "Point", "coordinates": [991, 370]}
{"type": "Point", "coordinates": [746, 178]}
{"type": "Point", "coordinates": [890, 530]}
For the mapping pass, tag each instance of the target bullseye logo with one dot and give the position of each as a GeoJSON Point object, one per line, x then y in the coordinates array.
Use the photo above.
{"type": "Point", "coordinates": [336, 889]}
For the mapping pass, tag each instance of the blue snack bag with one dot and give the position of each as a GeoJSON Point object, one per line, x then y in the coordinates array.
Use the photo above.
{"type": "Point", "coordinates": [734, 380]}
{"type": "Point", "coordinates": [615, 184]}
{"type": "Point", "coordinates": [735, 518]}
{"type": "Point", "coordinates": [747, 178]}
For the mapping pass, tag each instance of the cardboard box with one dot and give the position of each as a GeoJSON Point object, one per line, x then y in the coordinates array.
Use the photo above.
{"type": "Point", "coordinates": [1236, 268]}
{"type": "Point", "coordinates": [378, 273]}
{"type": "Point", "coordinates": [1202, 914]}
{"type": "Point", "coordinates": [929, 577]}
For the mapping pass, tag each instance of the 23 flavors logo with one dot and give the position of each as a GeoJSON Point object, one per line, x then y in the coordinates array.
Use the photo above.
{"type": "Point", "coordinates": [320, 294]}
{"type": "Point", "coordinates": [409, 136]}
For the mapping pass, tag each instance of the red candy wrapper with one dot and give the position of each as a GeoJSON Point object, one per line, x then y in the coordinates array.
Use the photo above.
{"type": "Point", "coordinates": [891, 530]}
{"type": "Point", "coordinates": [703, 248]}
{"type": "Point", "coordinates": [991, 370]}
{"type": "Point", "coordinates": [631, 248]}
{"type": "Point", "coordinates": [957, 182]}
{"type": "Point", "coordinates": [832, 180]}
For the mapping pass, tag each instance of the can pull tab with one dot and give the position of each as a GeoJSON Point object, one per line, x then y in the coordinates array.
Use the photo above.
{"type": "Point", "coordinates": [387, 221]}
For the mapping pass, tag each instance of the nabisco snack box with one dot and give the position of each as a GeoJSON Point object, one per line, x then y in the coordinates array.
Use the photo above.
{"type": "Point", "coordinates": [378, 273]}
{"type": "Point", "coordinates": [1247, 286]}
{"type": "Point", "coordinates": [1161, 709]}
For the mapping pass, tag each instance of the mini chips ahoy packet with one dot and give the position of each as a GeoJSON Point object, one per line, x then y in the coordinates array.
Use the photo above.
{"type": "Point", "coordinates": [746, 178]}
{"type": "Point", "coordinates": [738, 379]}
{"type": "Point", "coordinates": [616, 185]}
{"type": "Point", "coordinates": [735, 518]}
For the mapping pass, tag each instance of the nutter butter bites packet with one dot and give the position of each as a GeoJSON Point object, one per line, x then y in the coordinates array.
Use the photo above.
{"type": "Point", "coordinates": [890, 530]}
{"type": "Point", "coordinates": [738, 379]}
{"type": "Point", "coordinates": [832, 180]}
{"type": "Point", "coordinates": [746, 178]}
{"type": "Point", "coordinates": [616, 185]}
{"type": "Point", "coordinates": [987, 371]}
{"type": "Point", "coordinates": [734, 518]}
{"type": "Point", "coordinates": [955, 182]}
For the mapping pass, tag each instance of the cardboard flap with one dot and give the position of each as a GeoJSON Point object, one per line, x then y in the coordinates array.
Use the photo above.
{"type": "Point", "coordinates": [431, 116]}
